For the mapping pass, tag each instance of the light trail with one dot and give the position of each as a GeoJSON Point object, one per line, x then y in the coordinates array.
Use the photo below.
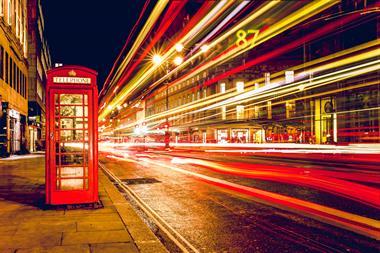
{"type": "Point", "coordinates": [268, 90]}
{"type": "Point", "coordinates": [220, 26]}
{"type": "Point", "coordinates": [275, 88]}
{"type": "Point", "coordinates": [335, 64]}
{"type": "Point", "coordinates": [253, 15]}
{"type": "Point", "coordinates": [171, 13]}
{"type": "Point", "coordinates": [317, 179]}
{"type": "Point", "coordinates": [218, 97]}
{"type": "Point", "coordinates": [158, 9]}
{"type": "Point", "coordinates": [355, 223]}
{"type": "Point", "coordinates": [107, 82]}
{"type": "Point", "coordinates": [234, 51]}
{"type": "Point", "coordinates": [147, 71]}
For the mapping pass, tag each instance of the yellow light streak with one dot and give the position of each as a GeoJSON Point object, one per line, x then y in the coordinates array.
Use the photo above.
{"type": "Point", "coordinates": [156, 12]}
{"type": "Point", "coordinates": [218, 97]}
{"type": "Point", "coordinates": [148, 70]}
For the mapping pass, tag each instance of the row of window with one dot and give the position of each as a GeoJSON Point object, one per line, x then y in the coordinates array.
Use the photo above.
{"type": "Point", "coordinates": [15, 13]}
{"type": "Point", "coordinates": [11, 74]}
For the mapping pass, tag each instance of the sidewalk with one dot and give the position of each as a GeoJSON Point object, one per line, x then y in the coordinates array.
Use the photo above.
{"type": "Point", "coordinates": [26, 225]}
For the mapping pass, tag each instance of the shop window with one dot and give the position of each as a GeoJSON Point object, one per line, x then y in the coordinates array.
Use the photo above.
{"type": "Point", "coordinates": [222, 135]}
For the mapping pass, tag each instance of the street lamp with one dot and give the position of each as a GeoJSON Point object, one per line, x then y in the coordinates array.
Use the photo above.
{"type": "Point", "coordinates": [157, 59]}
{"type": "Point", "coordinates": [205, 48]}
{"type": "Point", "coordinates": [178, 60]}
{"type": "Point", "coordinates": [178, 47]}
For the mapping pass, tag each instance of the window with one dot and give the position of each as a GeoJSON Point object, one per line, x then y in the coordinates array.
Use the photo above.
{"type": "Point", "coordinates": [9, 12]}
{"type": "Point", "coordinates": [239, 86]}
{"type": "Point", "coordinates": [6, 62]}
{"type": "Point", "coordinates": [17, 18]}
{"type": "Point", "coordinates": [10, 72]}
{"type": "Point", "coordinates": [240, 112]}
{"type": "Point", "coordinates": [290, 109]}
{"type": "Point", "coordinates": [16, 79]}
{"type": "Point", "coordinates": [222, 87]}
{"type": "Point", "coordinates": [223, 112]}
{"type": "Point", "coordinates": [255, 112]}
{"type": "Point", "coordinates": [1, 62]}
{"type": "Point", "coordinates": [1, 7]}
{"type": "Point", "coordinates": [22, 84]}
{"type": "Point", "coordinates": [289, 76]}
{"type": "Point", "coordinates": [14, 76]}
{"type": "Point", "coordinates": [267, 78]}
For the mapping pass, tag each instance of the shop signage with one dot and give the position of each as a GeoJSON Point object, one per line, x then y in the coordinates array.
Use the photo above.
{"type": "Point", "coordinates": [66, 79]}
{"type": "Point", "coordinates": [14, 114]}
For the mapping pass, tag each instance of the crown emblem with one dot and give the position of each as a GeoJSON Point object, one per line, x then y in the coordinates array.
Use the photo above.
{"type": "Point", "coordinates": [72, 73]}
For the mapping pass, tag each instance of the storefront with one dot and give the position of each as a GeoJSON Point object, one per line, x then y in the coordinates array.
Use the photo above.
{"type": "Point", "coordinates": [222, 135]}
{"type": "Point", "coordinates": [239, 135]}
{"type": "Point", "coordinates": [3, 129]}
{"type": "Point", "coordinates": [12, 131]}
{"type": "Point", "coordinates": [15, 139]}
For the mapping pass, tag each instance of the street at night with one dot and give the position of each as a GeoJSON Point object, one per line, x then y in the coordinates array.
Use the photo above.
{"type": "Point", "coordinates": [192, 192]}
{"type": "Point", "coordinates": [189, 126]}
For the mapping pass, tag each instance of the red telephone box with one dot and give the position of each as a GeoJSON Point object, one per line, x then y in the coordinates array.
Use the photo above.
{"type": "Point", "coordinates": [71, 136]}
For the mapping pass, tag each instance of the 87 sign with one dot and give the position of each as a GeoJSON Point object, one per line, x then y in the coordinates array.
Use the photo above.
{"type": "Point", "coordinates": [242, 40]}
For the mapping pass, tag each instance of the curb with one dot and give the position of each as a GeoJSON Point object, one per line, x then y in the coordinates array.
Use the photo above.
{"type": "Point", "coordinates": [143, 237]}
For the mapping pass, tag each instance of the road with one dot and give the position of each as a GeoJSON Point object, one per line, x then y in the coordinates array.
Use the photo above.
{"type": "Point", "coordinates": [241, 203]}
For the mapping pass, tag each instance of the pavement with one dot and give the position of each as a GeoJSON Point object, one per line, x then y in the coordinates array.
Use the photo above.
{"type": "Point", "coordinates": [28, 225]}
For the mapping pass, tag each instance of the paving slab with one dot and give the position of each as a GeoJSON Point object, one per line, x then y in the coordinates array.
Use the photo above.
{"type": "Point", "coordinates": [113, 248]}
{"type": "Point", "coordinates": [99, 225]}
{"type": "Point", "coordinates": [85, 248]}
{"type": "Point", "coordinates": [27, 225]}
{"type": "Point", "coordinates": [81, 237]}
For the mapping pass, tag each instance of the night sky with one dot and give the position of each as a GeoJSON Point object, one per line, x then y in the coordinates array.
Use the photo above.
{"type": "Point", "coordinates": [89, 33]}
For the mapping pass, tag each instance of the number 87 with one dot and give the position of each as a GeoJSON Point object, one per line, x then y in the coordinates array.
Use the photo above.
{"type": "Point", "coordinates": [241, 38]}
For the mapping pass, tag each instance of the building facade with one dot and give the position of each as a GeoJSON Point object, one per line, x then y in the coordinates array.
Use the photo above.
{"type": "Point", "coordinates": [13, 76]}
{"type": "Point", "coordinates": [39, 60]}
{"type": "Point", "coordinates": [317, 82]}
{"type": "Point", "coordinates": [319, 105]}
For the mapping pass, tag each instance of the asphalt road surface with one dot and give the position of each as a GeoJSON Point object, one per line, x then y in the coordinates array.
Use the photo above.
{"type": "Point", "coordinates": [192, 193]}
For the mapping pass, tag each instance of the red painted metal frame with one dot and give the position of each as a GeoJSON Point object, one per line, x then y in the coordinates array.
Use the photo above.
{"type": "Point", "coordinates": [53, 195]}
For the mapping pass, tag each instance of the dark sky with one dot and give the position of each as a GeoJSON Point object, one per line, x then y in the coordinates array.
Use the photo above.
{"type": "Point", "coordinates": [89, 32]}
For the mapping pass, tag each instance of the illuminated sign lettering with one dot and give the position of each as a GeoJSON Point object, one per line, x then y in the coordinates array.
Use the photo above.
{"type": "Point", "coordinates": [78, 80]}
{"type": "Point", "coordinates": [242, 35]}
